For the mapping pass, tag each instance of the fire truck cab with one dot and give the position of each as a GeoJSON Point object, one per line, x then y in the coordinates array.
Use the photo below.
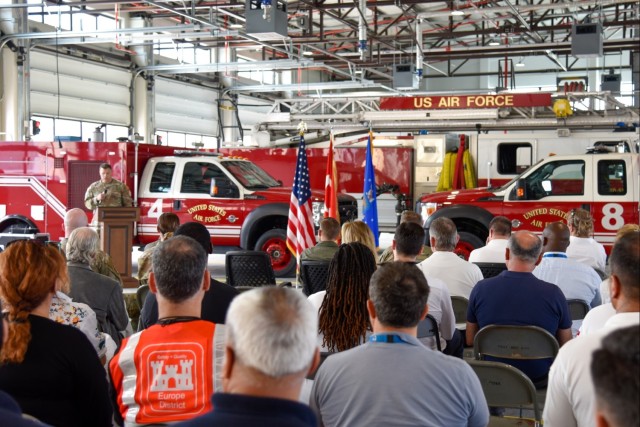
{"type": "Point", "coordinates": [606, 184]}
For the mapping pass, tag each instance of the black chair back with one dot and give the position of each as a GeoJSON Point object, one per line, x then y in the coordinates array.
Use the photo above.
{"type": "Point", "coordinates": [460, 306]}
{"type": "Point", "coordinates": [249, 269]}
{"type": "Point", "coordinates": [577, 308]}
{"type": "Point", "coordinates": [314, 275]}
{"type": "Point", "coordinates": [491, 269]}
{"type": "Point", "coordinates": [428, 327]}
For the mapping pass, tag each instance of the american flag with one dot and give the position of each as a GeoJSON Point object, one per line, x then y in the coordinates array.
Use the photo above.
{"type": "Point", "coordinates": [300, 231]}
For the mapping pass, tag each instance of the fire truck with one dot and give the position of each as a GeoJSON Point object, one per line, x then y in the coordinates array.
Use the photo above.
{"type": "Point", "coordinates": [239, 203]}
{"type": "Point", "coordinates": [604, 182]}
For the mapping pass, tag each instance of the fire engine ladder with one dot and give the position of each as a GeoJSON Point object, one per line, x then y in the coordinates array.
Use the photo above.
{"type": "Point", "coordinates": [226, 105]}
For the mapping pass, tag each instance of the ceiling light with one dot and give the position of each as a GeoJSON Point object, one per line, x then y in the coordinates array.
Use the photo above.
{"type": "Point", "coordinates": [494, 43]}
{"type": "Point", "coordinates": [457, 13]}
{"type": "Point", "coordinates": [236, 26]}
{"type": "Point", "coordinates": [520, 64]}
{"type": "Point", "coordinates": [307, 53]}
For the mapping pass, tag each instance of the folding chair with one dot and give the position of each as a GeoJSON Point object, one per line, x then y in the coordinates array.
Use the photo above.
{"type": "Point", "coordinates": [491, 269]}
{"type": "Point", "coordinates": [141, 295]}
{"type": "Point", "coordinates": [249, 269]}
{"type": "Point", "coordinates": [314, 275]}
{"type": "Point", "coordinates": [507, 387]}
{"type": "Point", "coordinates": [514, 342]}
{"type": "Point", "coordinates": [428, 327]}
{"type": "Point", "coordinates": [578, 309]}
{"type": "Point", "coordinates": [460, 306]}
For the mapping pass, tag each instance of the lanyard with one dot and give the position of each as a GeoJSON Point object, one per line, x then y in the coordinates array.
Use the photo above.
{"type": "Point", "coordinates": [554, 255]}
{"type": "Point", "coordinates": [387, 338]}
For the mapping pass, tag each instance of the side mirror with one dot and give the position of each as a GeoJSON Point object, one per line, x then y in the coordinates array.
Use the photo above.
{"type": "Point", "coordinates": [521, 189]}
{"type": "Point", "coordinates": [223, 187]}
{"type": "Point", "coordinates": [546, 185]}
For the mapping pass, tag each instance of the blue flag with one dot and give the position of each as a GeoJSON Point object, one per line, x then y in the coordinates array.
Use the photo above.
{"type": "Point", "coordinates": [369, 205]}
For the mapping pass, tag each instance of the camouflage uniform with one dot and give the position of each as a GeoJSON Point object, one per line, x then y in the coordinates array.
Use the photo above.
{"type": "Point", "coordinates": [387, 255]}
{"type": "Point", "coordinates": [144, 262]}
{"type": "Point", "coordinates": [118, 195]}
{"type": "Point", "coordinates": [101, 263]}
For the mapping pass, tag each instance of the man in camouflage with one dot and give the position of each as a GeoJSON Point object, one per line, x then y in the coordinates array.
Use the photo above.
{"type": "Point", "coordinates": [167, 224]}
{"type": "Point", "coordinates": [108, 192]}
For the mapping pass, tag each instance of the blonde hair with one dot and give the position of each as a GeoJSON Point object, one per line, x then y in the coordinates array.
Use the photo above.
{"type": "Point", "coordinates": [580, 222]}
{"type": "Point", "coordinates": [29, 272]}
{"type": "Point", "coordinates": [358, 231]}
{"type": "Point", "coordinates": [627, 229]}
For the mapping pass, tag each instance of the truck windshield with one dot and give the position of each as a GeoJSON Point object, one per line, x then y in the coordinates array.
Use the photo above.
{"type": "Point", "coordinates": [250, 175]}
{"type": "Point", "coordinates": [508, 184]}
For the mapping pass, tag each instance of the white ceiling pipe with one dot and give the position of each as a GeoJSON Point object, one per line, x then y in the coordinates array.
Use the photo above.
{"type": "Point", "coordinates": [362, 30]}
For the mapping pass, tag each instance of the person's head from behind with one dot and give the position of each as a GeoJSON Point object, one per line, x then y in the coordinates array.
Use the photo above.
{"type": "Point", "coordinates": [74, 218]}
{"type": "Point", "coordinates": [411, 216]}
{"type": "Point", "coordinates": [271, 337]}
{"type": "Point", "coordinates": [343, 319]}
{"type": "Point", "coordinates": [82, 245]}
{"type": "Point", "coordinates": [443, 235]}
{"type": "Point", "coordinates": [197, 232]}
{"type": "Point", "coordinates": [106, 173]}
{"type": "Point", "coordinates": [499, 228]}
{"type": "Point", "coordinates": [30, 272]}
{"type": "Point", "coordinates": [555, 237]}
{"type": "Point", "coordinates": [408, 239]}
{"type": "Point", "coordinates": [359, 231]}
{"type": "Point", "coordinates": [624, 281]}
{"type": "Point", "coordinates": [625, 229]}
{"type": "Point", "coordinates": [615, 370]}
{"type": "Point", "coordinates": [398, 294]}
{"type": "Point", "coordinates": [524, 251]}
{"type": "Point", "coordinates": [168, 222]}
{"type": "Point", "coordinates": [329, 230]}
{"type": "Point", "coordinates": [580, 222]}
{"type": "Point", "coordinates": [179, 270]}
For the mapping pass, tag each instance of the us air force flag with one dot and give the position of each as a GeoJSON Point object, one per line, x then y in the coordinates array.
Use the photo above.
{"type": "Point", "coordinates": [369, 206]}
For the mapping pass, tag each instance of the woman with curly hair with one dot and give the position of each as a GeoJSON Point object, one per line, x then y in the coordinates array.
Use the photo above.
{"type": "Point", "coordinates": [51, 370]}
{"type": "Point", "coordinates": [359, 231]}
{"type": "Point", "coordinates": [582, 247]}
{"type": "Point", "coordinates": [343, 318]}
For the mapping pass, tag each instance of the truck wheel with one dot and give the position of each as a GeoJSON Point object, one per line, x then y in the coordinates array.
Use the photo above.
{"type": "Point", "coordinates": [274, 243]}
{"type": "Point", "coordinates": [467, 243]}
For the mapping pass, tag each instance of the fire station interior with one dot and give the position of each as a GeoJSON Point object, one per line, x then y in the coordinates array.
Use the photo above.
{"type": "Point", "coordinates": [504, 85]}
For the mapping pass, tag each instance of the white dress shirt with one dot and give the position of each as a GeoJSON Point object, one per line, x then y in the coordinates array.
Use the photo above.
{"type": "Point", "coordinates": [605, 293]}
{"type": "Point", "coordinates": [570, 400]}
{"type": "Point", "coordinates": [491, 252]}
{"type": "Point", "coordinates": [576, 280]}
{"type": "Point", "coordinates": [588, 251]}
{"type": "Point", "coordinates": [596, 319]}
{"type": "Point", "coordinates": [459, 275]}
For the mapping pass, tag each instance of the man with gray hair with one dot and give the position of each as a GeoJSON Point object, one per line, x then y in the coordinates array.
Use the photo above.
{"type": "Point", "coordinates": [393, 379]}
{"type": "Point", "coordinates": [167, 372]}
{"type": "Point", "coordinates": [270, 348]}
{"type": "Point", "coordinates": [459, 275]}
{"type": "Point", "coordinates": [102, 294]}
{"type": "Point", "coordinates": [517, 297]}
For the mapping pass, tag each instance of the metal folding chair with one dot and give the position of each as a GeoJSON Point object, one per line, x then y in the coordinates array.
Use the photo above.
{"type": "Point", "coordinates": [249, 269]}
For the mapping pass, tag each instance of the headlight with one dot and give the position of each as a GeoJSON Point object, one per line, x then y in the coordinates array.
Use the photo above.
{"type": "Point", "coordinates": [318, 212]}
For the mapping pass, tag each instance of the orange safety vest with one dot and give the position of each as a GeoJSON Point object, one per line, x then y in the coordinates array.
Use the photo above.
{"type": "Point", "coordinates": [168, 373]}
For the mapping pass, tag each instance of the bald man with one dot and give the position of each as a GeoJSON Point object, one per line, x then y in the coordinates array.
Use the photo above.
{"type": "Point", "coordinates": [576, 280]}
{"type": "Point", "coordinates": [101, 263]}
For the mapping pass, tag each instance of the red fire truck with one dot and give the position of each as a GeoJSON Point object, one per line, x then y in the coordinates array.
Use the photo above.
{"type": "Point", "coordinates": [248, 208]}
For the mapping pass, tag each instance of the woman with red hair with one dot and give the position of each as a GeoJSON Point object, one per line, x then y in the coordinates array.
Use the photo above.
{"type": "Point", "coordinates": [51, 370]}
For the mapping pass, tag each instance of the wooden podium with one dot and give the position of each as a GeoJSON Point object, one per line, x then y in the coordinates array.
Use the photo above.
{"type": "Point", "coordinates": [116, 238]}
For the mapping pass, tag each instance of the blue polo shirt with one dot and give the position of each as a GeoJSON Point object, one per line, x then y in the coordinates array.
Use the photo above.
{"type": "Point", "coordinates": [521, 299]}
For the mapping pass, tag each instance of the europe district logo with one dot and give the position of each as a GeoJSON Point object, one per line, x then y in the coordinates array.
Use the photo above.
{"type": "Point", "coordinates": [175, 381]}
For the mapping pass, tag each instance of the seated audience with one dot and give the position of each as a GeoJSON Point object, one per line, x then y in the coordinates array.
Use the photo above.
{"type": "Point", "coordinates": [328, 236]}
{"type": "Point", "coordinates": [604, 286]}
{"type": "Point", "coordinates": [575, 279]}
{"type": "Point", "coordinates": [615, 369]}
{"type": "Point", "coordinates": [407, 216]}
{"type": "Point", "coordinates": [582, 247]}
{"type": "Point", "coordinates": [517, 297]}
{"type": "Point", "coordinates": [167, 372]}
{"type": "Point", "coordinates": [570, 396]}
{"type": "Point", "coordinates": [406, 244]}
{"type": "Point", "coordinates": [459, 275]}
{"type": "Point", "coordinates": [359, 231]}
{"type": "Point", "coordinates": [167, 224]}
{"type": "Point", "coordinates": [493, 251]}
{"type": "Point", "coordinates": [102, 294]}
{"type": "Point", "coordinates": [101, 262]}
{"type": "Point", "coordinates": [393, 379]}
{"type": "Point", "coordinates": [216, 299]}
{"type": "Point", "coordinates": [270, 348]}
{"type": "Point", "coordinates": [342, 308]}
{"type": "Point", "coordinates": [51, 370]}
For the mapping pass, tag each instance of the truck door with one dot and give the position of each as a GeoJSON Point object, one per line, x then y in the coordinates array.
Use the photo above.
{"type": "Point", "coordinates": [550, 191]}
{"type": "Point", "coordinates": [158, 198]}
{"type": "Point", "coordinates": [221, 213]}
